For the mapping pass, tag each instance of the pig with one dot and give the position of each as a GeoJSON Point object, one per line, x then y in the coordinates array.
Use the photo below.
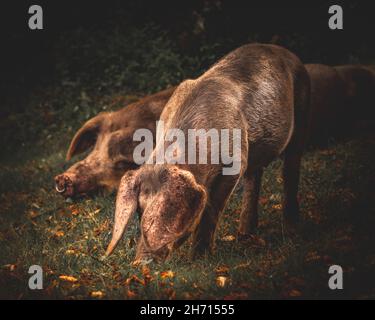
{"type": "Point", "coordinates": [341, 98]}
{"type": "Point", "coordinates": [328, 115]}
{"type": "Point", "coordinates": [359, 92]}
{"type": "Point", "coordinates": [263, 90]}
{"type": "Point", "coordinates": [111, 136]}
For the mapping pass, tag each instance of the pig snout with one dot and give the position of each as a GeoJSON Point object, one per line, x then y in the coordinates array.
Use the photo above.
{"type": "Point", "coordinates": [64, 185]}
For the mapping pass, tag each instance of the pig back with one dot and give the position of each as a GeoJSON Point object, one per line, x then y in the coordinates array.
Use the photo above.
{"type": "Point", "coordinates": [254, 88]}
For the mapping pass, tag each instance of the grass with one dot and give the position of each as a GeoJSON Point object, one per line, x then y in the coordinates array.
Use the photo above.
{"type": "Point", "coordinates": [37, 226]}
{"type": "Point", "coordinates": [67, 239]}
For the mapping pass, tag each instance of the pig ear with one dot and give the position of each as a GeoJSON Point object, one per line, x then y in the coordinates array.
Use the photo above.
{"type": "Point", "coordinates": [175, 213]}
{"type": "Point", "coordinates": [126, 206]}
{"type": "Point", "coordinates": [85, 137]}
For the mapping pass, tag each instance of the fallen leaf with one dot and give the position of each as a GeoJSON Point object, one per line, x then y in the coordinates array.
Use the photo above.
{"type": "Point", "coordinates": [73, 209]}
{"type": "Point", "coordinates": [327, 152]}
{"type": "Point", "coordinates": [242, 265]}
{"type": "Point", "coordinates": [135, 279]}
{"type": "Point", "coordinates": [221, 281]}
{"type": "Point", "coordinates": [68, 278]}
{"type": "Point", "coordinates": [131, 294]}
{"type": "Point", "coordinates": [33, 214]}
{"type": "Point", "coordinates": [59, 234]}
{"type": "Point", "coordinates": [279, 180]}
{"type": "Point", "coordinates": [35, 205]}
{"type": "Point", "coordinates": [229, 238]}
{"type": "Point", "coordinates": [294, 293]}
{"type": "Point", "coordinates": [97, 294]}
{"type": "Point", "coordinates": [10, 267]}
{"type": "Point", "coordinates": [167, 274]}
{"type": "Point", "coordinates": [146, 275]}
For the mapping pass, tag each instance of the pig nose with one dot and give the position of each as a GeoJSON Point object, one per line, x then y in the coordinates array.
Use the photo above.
{"type": "Point", "coordinates": [63, 184]}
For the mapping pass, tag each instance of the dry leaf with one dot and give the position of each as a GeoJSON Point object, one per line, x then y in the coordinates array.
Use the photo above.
{"type": "Point", "coordinates": [135, 279]}
{"type": "Point", "coordinates": [229, 238]}
{"type": "Point", "coordinates": [279, 180]}
{"type": "Point", "coordinates": [221, 281]}
{"type": "Point", "coordinates": [97, 294]}
{"type": "Point", "coordinates": [10, 267]}
{"type": "Point", "coordinates": [68, 278]}
{"type": "Point", "coordinates": [73, 209]}
{"type": "Point", "coordinates": [167, 274]}
{"type": "Point", "coordinates": [33, 214]}
{"type": "Point", "coordinates": [294, 293]}
{"type": "Point", "coordinates": [131, 294]}
{"type": "Point", "coordinates": [242, 265]}
{"type": "Point", "coordinates": [277, 207]}
{"type": "Point", "coordinates": [59, 234]}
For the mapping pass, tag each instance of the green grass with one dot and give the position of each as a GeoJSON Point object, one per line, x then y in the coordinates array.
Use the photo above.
{"type": "Point", "coordinates": [37, 226]}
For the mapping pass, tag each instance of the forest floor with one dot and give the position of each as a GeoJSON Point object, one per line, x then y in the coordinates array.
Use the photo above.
{"type": "Point", "coordinates": [67, 238]}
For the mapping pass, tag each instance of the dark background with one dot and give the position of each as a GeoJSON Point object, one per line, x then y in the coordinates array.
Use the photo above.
{"type": "Point", "coordinates": [30, 58]}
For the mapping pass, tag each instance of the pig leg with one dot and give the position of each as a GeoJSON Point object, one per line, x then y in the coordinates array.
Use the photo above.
{"type": "Point", "coordinates": [291, 173]}
{"type": "Point", "coordinates": [291, 169]}
{"type": "Point", "coordinates": [250, 195]}
{"type": "Point", "coordinates": [294, 150]}
{"type": "Point", "coordinates": [204, 235]}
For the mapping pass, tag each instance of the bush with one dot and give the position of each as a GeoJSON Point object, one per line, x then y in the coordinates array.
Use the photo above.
{"type": "Point", "coordinates": [141, 60]}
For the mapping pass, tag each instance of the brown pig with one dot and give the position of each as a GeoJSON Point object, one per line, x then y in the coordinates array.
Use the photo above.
{"type": "Point", "coordinates": [262, 90]}
{"type": "Point", "coordinates": [328, 114]}
{"type": "Point", "coordinates": [359, 91]}
{"type": "Point", "coordinates": [111, 136]}
{"type": "Point", "coordinates": [341, 98]}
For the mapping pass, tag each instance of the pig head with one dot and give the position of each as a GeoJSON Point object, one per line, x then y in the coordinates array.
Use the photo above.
{"type": "Point", "coordinates": [110, 135]}
{"type": "Point", "coordinates": [170, 202]}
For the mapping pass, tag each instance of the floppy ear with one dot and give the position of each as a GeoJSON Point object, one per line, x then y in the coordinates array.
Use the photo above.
{"type": "Point", "coordinates": [126, 206]}
{"type": "Point", "coordinates": [175, 212]}
{"type": "Point", "coordinates": [85, 137]}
